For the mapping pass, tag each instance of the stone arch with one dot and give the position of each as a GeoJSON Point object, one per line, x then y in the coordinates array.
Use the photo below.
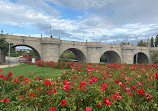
{"type": "Point", "coordinates": [78, 53]}
{"type": "Point", "coordinates": [141, 58]}
{"type": "Point", "coordinates": [112, 57]}
{"type": "Point", "coordinates": [39, 56]}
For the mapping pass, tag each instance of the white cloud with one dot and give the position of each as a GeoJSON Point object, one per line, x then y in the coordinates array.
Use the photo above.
{"type": "Point", "coordinates": [106, 18]}
{"type": "Point", "coordinates": [118, 11]}
{"type": "Point", "coordinates": [21, 15]}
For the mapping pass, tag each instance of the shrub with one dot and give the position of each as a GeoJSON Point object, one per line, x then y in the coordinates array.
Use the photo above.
{"type": "Point", "coordinates": [83, 87]}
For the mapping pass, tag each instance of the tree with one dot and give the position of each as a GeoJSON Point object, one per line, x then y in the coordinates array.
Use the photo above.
{"type": "Point", "coordinates": [156, 41]}
{"type": "Point", "coordinates": [4, 46]}
{"type": "Point", "coordinates": [124, 43]}
{"type": "Point", "coordinates": [103, 58]}
{"type": "Point", "coordinates": [3, 49]}
{"type": "Point", "coordinates": [142, 43]}
{"type": "Point", "coordinates": [68, 55]}
{"type": "Point", "coordinates": [152, 42]}
{"type": "Point", "coordinates": [154, 57]}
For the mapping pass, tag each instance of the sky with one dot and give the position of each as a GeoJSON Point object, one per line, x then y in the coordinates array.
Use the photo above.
{"type": "Point", "coordinates": [106, 21]}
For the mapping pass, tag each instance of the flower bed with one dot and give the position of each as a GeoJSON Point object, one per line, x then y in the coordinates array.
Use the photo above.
{"type": "Point", "coordinates": [83, 87]}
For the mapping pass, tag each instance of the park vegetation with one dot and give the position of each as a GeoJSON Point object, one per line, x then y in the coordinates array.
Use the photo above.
{"type": "Point", "coordinates": [90, 87]}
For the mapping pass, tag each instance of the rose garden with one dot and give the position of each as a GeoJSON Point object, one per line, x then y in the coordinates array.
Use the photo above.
{"type": "Point", "coordinates": [80, 87]}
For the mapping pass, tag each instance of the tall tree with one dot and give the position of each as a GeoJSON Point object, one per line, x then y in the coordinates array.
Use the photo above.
{"type": "Point", "coordinates": [152, 42]}
{"type": "Point", "coordinates": [4, 46]}
{"type": "Point", "coordinates": [156, 41]}
{"type": "Point", "coordinates": [142, 43]}
{"type": "Point", "coordinates": [3, 50]}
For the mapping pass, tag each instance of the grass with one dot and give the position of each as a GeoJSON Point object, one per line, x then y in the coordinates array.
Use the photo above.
{"type": "Point", "coordinates": [26, 70]}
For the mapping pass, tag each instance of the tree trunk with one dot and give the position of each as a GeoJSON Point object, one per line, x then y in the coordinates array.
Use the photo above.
{"type": "Point", "coordinates": [2, 57]}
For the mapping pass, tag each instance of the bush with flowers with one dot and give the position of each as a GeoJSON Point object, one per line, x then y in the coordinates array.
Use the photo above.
{"type": "Point", "coordinates": [90, 87]}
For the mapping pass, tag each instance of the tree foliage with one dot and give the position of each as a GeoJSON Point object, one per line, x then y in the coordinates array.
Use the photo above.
{"type": "Point", "coordinates": [103, 58]}
{"type": "Point", "coordinates": [156, 41]}
{"type": "Point", "coordinates": [4, 46]}
{"type": "Point", "coordinates": [68, 55]}
{"type": "Point", "coordinates": [142, 43]}
{"type": "Point", "coordinates": [124, 43]}
{"type": "Point", "coordinates": [154, 57]}
{"type": "Point", "coordinates": [152, 42]}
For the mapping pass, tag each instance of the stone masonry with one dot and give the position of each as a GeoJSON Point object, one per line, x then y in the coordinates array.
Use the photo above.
{"type": "Point", "coordinates": [50, 49]}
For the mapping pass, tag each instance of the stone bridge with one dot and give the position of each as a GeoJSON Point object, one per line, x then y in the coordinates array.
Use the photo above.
{"type": "Point", "coordinates": [50, 49]}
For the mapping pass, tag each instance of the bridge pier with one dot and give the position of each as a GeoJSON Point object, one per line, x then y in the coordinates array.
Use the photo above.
{"type": "Point", "coordinates": [50, 52]}
{"type": "Point", "coordinates": [127, 55]}
{"type": "Point", "coordinates": [93, 54]}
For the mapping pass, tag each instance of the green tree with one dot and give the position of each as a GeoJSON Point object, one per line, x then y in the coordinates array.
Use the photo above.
{"type": "Point", "coordinates": [33, 53]}
{"type": "Point", "coordinates": [123, 43]}
{"type": "Point", "coordinates": [4, 46]}
{"type": "Point", "coordinates": [103, 58]}
{"type": "Point", "coordinates": [156, 41]}
{"type": "Point", "coordinates": [3, 50]}
{"type": "Point", "coordinates": [152, 42]}
{"type": "Point", "coordinates": [154, 57]}
{"type": "Point", "coordinates": [142, 43]}
{"type": "Point", "coordinates": [68, 55]}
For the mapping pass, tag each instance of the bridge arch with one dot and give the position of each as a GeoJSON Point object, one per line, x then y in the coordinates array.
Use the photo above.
{"type": "Point", "coordinates": [141, 58]}
{"type": "Point", "coordinates": [111, 57]}
{"type": "Point", "coordinates": [78, 53]}
{"type": "Point", "coordinates": [39, 56]}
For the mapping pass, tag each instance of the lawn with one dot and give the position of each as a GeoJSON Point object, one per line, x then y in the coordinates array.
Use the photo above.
{"type": "Point", "coordinates": [26, 70]}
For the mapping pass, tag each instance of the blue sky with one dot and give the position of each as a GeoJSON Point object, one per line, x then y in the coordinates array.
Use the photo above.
{"type": "Point", "coordinates": [107, 21]}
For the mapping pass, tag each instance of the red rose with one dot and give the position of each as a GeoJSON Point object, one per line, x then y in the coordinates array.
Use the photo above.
{"type": "Point", "coordinates": [9, 73]}
{"type": "Point", "coordinates": [48, 92]}
{"type": "Point", "coordinates": [107, 102]}
{"type": "Point", "coordinates": [54, 90]}
{"type": "Point", "coordinates": [52, 109]}
{"type": "Point", "coordinates": [134, 87]}
{"type": "Point", "coordinates": [1, 75]}
{"type": "Point", "coordinates": [83, 83]}
{"type": "Point", "coordinates": [26, 78]}
{"type": "Point", "coordinates": [5, 78]}
{"type": "Point", "coordinates": [15, 80]}
{"type": "Point", "coordinates": [31, 95]}
{"type": "Point", "coordinates": [114, 96]}
{"type": "Point", "coordinates": [21, 97]}
{"type": "Point", "coordinates": [56, 81]}
{"type": "Point", "coordinates": [88, 108]}
{"type": "Point", "coordinates": [148, 96]}
{"type": "Point", "coordinates": [47, 82]}
{"type": "Point", "coordinates": [38, 87]}
{"type": "Point", "coordinates": [66, 87]}
{"type": "Point", "coordinates": [157, 76]}
{"type": "Point", "coordinates": [140, 91]}
{"type": "Point", "coordinates": [63, 102]}
{"type": "Point", "coordinates": [4, 100]}
{"type": "Point", "coordinates": [99, 105]}
{"type": "Point", "coordinates": [38, 78]}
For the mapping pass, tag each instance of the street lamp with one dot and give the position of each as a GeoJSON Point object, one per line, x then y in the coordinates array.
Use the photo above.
{"type": "Point", "coordinates": [137, 53]}
{"type": "Point", "coordinates": [9, 52]}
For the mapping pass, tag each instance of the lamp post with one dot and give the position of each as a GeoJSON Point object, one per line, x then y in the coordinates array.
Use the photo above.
{"type": "Point", "coordinates": [9, 52]}
{"type": "Point", "coordinates": [137, 53]}
{"type": "Point", "coordinates": [50, 31]}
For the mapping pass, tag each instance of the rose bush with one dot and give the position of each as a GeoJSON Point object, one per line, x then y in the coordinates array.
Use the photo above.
{"type": "Point", "coordinates": [83, 87]}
